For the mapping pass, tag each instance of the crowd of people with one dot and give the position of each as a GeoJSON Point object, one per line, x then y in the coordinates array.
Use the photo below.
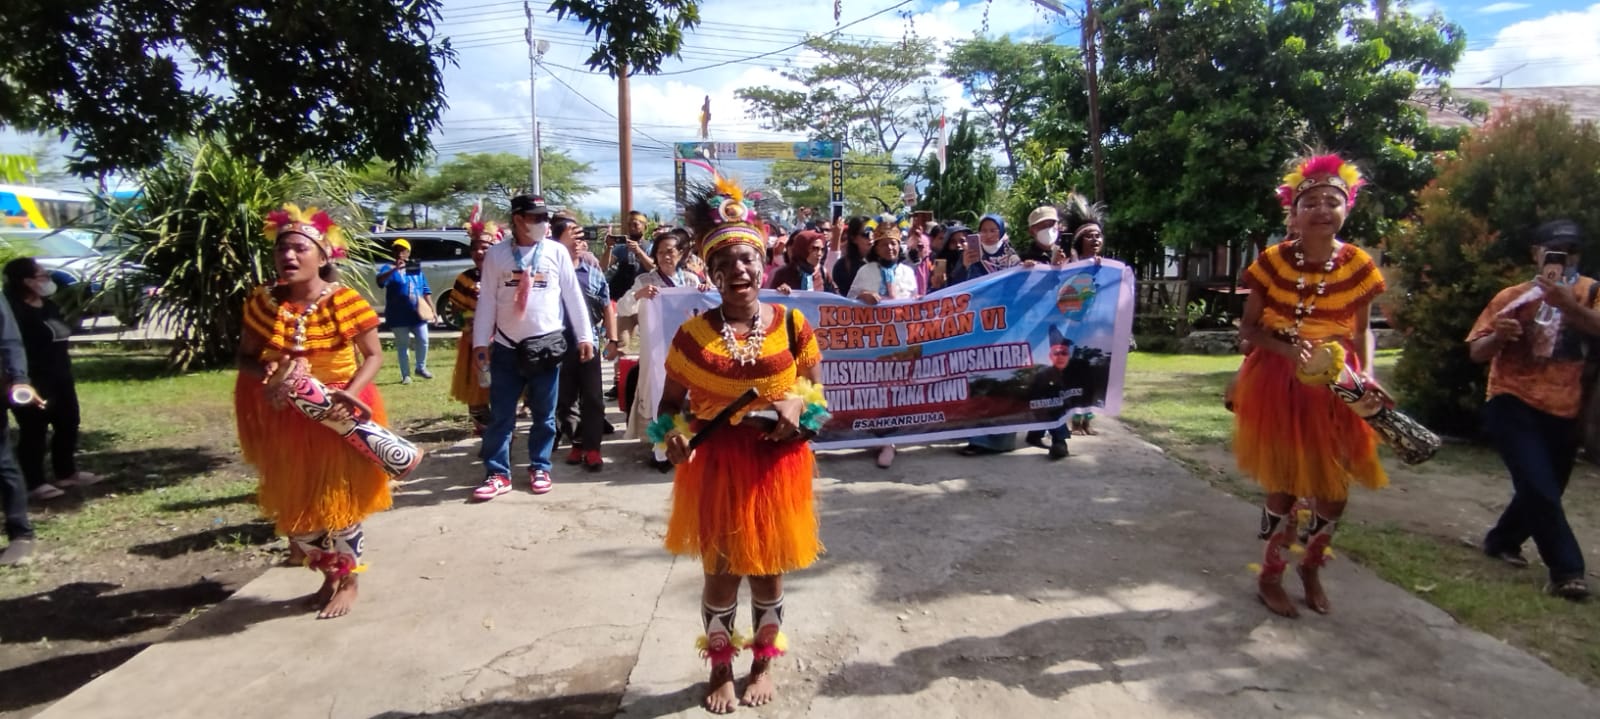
{"type": "Point", "coordinates": [743, 388]}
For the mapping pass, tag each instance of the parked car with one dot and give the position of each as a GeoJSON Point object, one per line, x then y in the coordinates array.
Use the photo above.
{"type": "Point", "coordinates": [443, 254]}
{"type": "Point", "coordinates": [90, 284]}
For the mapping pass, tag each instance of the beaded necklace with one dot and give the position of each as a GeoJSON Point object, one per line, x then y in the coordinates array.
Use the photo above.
{"type": "Point", "coordinates": [1303, 308]}
{"type": "Point", "coordinates": [747, 352]}
{"type": "Point", "coordinates": [299, 346]}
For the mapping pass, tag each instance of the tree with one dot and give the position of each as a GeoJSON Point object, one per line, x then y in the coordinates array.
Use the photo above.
{"type": "Point", "coordinates": [449, 191]}
{"type": "Point", "coordinates": [335, 82]}
{"type": "Point", "coordinates": [14, 168]}
{"type": "Point", "coordinates": [631, 35]}
{"type": "Point", "coordinates": [870, 181]}
{"type": "Point", "coordinates": [1469, 242]}
{"type": "Point", "coordinates": [1202, 101]}
{"type": "Point", "coordinates": [966, 188]}
{"type": "Point", "coordinates": [196, 228]}
{"type": "Point", "coordinates": [1011, 83]}
{"type": "Point", "coordinates": [870, 94]}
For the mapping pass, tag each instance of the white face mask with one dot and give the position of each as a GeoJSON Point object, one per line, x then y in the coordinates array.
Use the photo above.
{"type": "Point", "coordinates": [990, 248]}
{"type": "Point", "coordinates": [539, 231]}
{"type": "Point", "coordinates": [1046, 237]}
{"type": "Point", "coordinates": [43, 289]}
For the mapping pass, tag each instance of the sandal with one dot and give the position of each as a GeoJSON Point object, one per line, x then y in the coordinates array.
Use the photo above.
{"type": "Point", "coordinates": [1572, 590]}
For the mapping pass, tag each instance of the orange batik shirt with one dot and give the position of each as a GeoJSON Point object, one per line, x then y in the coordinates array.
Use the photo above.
{"type": "Point", "coordinates": [1354, 282]}
{"type": "Point", "coordinates": [330, 330]}
{"type": "Point", "coordinates": [1553, 384]}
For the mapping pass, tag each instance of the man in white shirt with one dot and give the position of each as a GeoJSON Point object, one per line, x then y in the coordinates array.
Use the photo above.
{"type": "Point", "coordinates": [526, 285]}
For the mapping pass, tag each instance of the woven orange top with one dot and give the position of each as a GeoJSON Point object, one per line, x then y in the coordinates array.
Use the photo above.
{"type": "Point", "coordinates": [342, 316]}
{"type": "Point", "coordinates": [1353, 283]}
{"type": "Point", "coordinates": [699, 359]}
{"type": "Point", "coordinates": [465, 293]}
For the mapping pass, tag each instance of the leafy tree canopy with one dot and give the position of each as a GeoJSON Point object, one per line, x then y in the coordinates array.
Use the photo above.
{"type": "Point", "coordinates": [329, 81]}
{"type": "Point", "coordinates": [873, 95]}
{"type": "Point", "coordinates": [632, 34]}
{"type": "Point", "coordinates": [1014, 83]}
{"type": "Point", "coordinates": [966, 188]}
{"type": "Point", "coordinates": [447, 192]}
{"type": "Point", "coordinates": [868, 178]}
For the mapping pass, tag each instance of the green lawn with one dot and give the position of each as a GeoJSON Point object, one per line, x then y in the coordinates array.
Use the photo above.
{"type": "Point", "coordinates": [1175, 401]}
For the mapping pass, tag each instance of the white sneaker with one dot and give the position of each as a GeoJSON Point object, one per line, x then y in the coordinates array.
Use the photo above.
{"type": "Point", "coordinates": [45, 491]}
{"type": "Point", "coordinates": [80, 479]}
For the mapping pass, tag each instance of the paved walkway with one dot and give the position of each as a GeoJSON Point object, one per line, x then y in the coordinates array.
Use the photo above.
{"type": "Point", "coordinates": [1112, 584]}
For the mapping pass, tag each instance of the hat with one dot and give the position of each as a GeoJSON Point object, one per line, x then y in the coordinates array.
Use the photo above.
{"type": "Point", "coordinates": [310, 223]}
{"type": "Point", "coordinates": [885, 227]}
{"type": "Point", "coordinates": [401, 244]}
{"type": "Point", "coordinates": [1043, 214]}
{"type": "Point", "coordinates": [1559, 235]}
{"type": "Point", "coordinates": [529, 204]}
{"type": "Point", "coordinates": [957, 228]}
{"type": "Point", "coordinates": [1057, 338]}
{"type": "Point", "coordinates": [719, 218]}
{"type": "Point", "coordinates": [806, 237]}
{"type": "Point", "coordinates": [1322, 171]}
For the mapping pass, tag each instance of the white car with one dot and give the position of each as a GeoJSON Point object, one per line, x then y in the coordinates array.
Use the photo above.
{"type": "Point", "coordinates": [81, 272]}
{"type": "Point", "coordinates": [443, 254]}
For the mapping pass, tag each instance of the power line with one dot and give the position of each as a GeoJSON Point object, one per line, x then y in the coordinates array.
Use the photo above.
{"type": "Point", "coordinates": [596, 106]}
{"type": "Point", "coordinates": [896, 6]}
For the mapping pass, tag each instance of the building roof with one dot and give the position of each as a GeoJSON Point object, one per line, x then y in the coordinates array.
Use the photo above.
{"type": "Point", "coordinates": [1583, 101]}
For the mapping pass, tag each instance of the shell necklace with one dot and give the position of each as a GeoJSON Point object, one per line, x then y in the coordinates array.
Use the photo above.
{"type": "Point", "coordinates": [299, 346]}
{"type": "Point", "coordinates": [748, 351]}
{"type": "Point", "coordinates": [1306, 305]}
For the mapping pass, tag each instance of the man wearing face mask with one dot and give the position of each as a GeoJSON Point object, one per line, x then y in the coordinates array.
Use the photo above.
{"type": "Point", "coordinates": [1042, 226]}
{"type": "Point", "coordinates": [517, 338]}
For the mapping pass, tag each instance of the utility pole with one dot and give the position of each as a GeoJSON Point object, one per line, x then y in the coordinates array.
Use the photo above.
{"type": "Point", "coordinates": [536, 50]}
{"type": "Point", "coordinates": [624, 141]}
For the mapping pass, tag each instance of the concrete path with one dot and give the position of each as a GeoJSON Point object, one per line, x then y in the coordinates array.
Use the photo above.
{"type": "Point", "coordinates": [1112, 584]}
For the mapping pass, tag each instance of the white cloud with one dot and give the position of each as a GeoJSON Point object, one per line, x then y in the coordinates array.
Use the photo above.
{"type": "Point", "coordinates": [1557, 49]}
{"type": "Point", "coordinates": [489, 101]}
{"type": "Point", "coordinates": [1501, 7]}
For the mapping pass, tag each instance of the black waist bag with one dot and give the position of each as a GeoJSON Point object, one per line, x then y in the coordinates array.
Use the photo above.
{"type": "Point", "coordinates": [539, 354]}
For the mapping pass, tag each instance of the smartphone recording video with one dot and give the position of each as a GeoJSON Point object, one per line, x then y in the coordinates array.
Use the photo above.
{"type": "Point", "coordinates": [1555, 265]}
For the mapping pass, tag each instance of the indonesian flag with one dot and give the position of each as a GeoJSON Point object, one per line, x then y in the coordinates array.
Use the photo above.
{"type": "Point", "coordinates": [941, 143]}
{"type": "Point", "coordinates": [477, 212]}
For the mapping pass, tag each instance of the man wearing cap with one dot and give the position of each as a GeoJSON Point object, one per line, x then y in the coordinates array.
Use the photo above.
{"type": "Point", "coordinates": [1534, 337]}
{"type": "Point", "coordinates": [406, 290]}
{"type": "Point", "coordinates": [526, 286]}
{"type": "Point", "coordinates": [1042, 227]}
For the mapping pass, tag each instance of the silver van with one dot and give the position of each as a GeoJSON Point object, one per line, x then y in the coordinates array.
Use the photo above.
{"type": "Point", "coordinates": [443, 254]}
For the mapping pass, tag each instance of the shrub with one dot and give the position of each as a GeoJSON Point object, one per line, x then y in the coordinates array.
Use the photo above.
{"type": "Point", "coordinates": [196, 228]}
{"type": "Point", "coordinates": [1524, 167]}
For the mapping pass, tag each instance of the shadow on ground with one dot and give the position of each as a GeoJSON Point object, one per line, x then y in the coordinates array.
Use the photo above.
{"type": "Point", "coordinates": [96, 611]}
{"type": "Point", "coordinates": [52, 679]}
{"type": "Point", "coordinates": [577, 706]}
{"type": "Point", "coordinates": [246, 534]}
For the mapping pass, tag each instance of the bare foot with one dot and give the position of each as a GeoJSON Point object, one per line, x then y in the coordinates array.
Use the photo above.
{"type": "Point", "coordinates": [720, 695]}
{"type": "Point", "coordinates": [1271, 593]}
{"type": "Point", "coordinates": [761, 688]}
{"type": "Point", "coordinates": [1315, 597]}
{"type": "Point", "coordinates": [343, 598]}
{"type": "Point", "coordinates": [297, 556]}
{"type": "Point", "coordinates": [319, 600]}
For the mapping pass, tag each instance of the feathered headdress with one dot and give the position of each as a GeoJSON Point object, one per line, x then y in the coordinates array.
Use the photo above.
{"type": "Point", "coordinates": [718, 217]}
{"type": "Point", "coordinates": [1321, 171]}
{"type": "Point", "coordinates": [887, 226]}
{"type": "Point", "coordinates": [489, 230]}
{"type": "Point", "coordinates": [311, 223]}
{"type": "Point", "coordinates": [1080, 214]}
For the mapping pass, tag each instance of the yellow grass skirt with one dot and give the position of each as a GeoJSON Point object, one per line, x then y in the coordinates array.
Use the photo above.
{"type": "Point", "coordinates": [464, 382]}
{"type": "Point", "coordinates": [311, 480]}
{"type": "Point", "coordinates": [744, 505]}
{"type": "Point", "coordinates": [1300, 439]}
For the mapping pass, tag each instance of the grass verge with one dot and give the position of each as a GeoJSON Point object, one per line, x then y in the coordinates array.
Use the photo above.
{"type": "Point", "coordinates": [1175, 402]}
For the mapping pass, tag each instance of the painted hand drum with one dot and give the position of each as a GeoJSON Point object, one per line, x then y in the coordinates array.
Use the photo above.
{"type": "Point", "coordinates": [396, 455]}
{"type": "Point", "coordinates": [1411, 442]}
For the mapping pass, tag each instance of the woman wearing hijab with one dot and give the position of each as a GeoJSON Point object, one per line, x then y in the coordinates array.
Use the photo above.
{"type": "Point", "coordinates": [990, 254]}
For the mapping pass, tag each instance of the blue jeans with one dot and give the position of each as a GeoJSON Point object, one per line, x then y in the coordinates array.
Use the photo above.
{"type": "Point", "coordinates": [1539, 449]}
{"type": "Point", "coordinates": [402, 344]}
{"type": "Point", "coordinates": [506, 388]}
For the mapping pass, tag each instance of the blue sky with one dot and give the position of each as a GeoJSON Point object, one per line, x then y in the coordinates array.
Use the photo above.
{"type": "Point", "coordinates": [1540, 42]}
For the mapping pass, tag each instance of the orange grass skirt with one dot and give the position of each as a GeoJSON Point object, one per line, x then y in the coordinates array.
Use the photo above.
{"type": "Point", "coordinates": [1299, 439]}
{"type": "Point", "coordinates": [311, 480]}
{"type": "Point", "coordinates": [464, 381]}
{"type": "Point", "coordinates": [744, 505]}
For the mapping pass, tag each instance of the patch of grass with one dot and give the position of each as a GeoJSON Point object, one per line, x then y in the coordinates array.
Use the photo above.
{"type": "Point", "coordinates": [1175, 401]}
{"type": "Point", "coordinates": [1483, 594]}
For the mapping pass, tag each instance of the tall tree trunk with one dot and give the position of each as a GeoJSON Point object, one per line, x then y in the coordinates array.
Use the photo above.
{"type": "Point", "coordinates": [1091, 28]}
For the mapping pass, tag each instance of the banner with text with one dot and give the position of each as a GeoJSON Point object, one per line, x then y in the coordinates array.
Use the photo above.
{"type": "Point", "coordinates": [1008, 352]}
